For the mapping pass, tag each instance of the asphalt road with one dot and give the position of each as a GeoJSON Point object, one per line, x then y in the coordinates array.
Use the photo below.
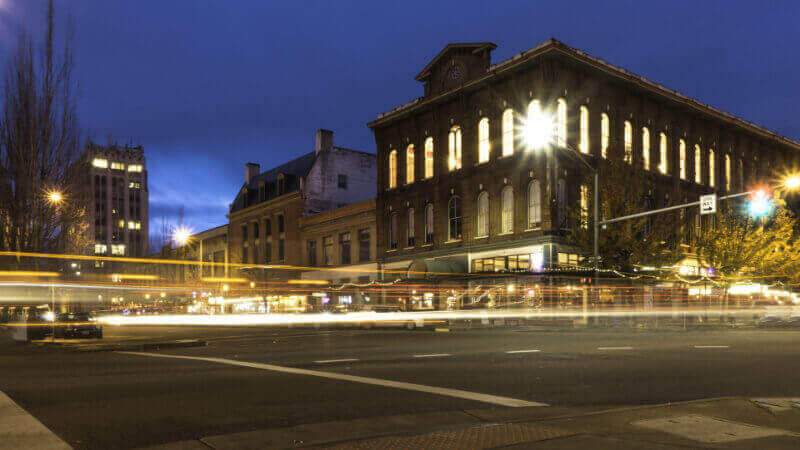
{"type": "Point", "coordinates": [118, 400]}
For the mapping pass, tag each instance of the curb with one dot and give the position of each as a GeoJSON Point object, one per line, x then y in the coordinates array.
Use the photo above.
{"type": "Point", "coordinates": [183, 343]}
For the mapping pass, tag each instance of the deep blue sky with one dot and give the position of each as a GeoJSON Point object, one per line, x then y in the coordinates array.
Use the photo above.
{"type": "Point", "coordinates": [207, 86]}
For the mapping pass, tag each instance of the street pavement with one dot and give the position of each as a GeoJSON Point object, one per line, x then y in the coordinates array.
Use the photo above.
{"type": "Point", "coordinates": [259, 378]}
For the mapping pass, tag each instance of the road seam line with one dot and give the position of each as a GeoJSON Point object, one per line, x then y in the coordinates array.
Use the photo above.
{"type": "Point", "coordinates": [457, 393]}
{"type": "Point", "coordinates": [523, 351]}
{"type": "Point", "coordinates": [326, 361]}
{"type": "Point", "coordinates": [432, 355]}
{"type": "Point", "coordinates": [615, 348]}
{"type": "Point", "coordinates": [711, 346]}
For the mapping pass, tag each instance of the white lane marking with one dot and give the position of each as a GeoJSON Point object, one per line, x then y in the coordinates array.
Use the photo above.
{"type": "Point", "coordinates": [711, 346]}
{"type": "Point", "coordinates": [457, 393]}
{"type": "Point", "coordinates": [615, 348]}
{"type": "Point", "coordinates": [523, 351]}
{"type": "Point", "coordinates": [20, 429]}
{"type": "Point", "coordinates": [326, 361]}
{"type": "Point", "coordinates": [432, 355]}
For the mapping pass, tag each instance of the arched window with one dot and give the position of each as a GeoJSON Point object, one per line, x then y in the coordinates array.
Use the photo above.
{"type": "Point", "coordinates": [682, 158]}
{"type": "Point", "coordinates": [429, 157]}
{"type": "Point", "coordinates": [646, 148]}
{"type": "Point", "coordinates": [429, 223]}
{"type": "Point", "coordinates": [662, 153]}
{"type": "Point", "coordinates": [605, 127]}
{"type": "Point", "coordinates": [393, 231]}
{"type": "Point", "coordinates": [454, 148]}
{"type": "Point", "coordinates": [507, 214]}
{"type": "Point", "coordinates": [410, 229]}
{"type": "Point", "coordinates": [392, 169]}
{"type": "Point", "coordinates": [410, 164]}
{"type": "Point", "coordinates": [698, 162]}
{"type": "Point", "coordinates": [628, 143]}
{"type": "Point", "coordinates": [508, 132]}
{"type": "Point", "coordinates": [727, 172]}
{"type": "Point", "coordinates": [482, 225]}
{"type": "Point", "coordinates": [454, 219]}
{"type": "Point", "coordinates": [534, 108]}
{"type": "Point", "coordinates": [484, 145]}
{"type": "Point", "coordinates": [711, 168]}
{"type": "Point", "coordinates": [583, 145]}
{"type": "Point", "coordinates": [534, 204]}
{"type": "Point", "coordinates": [561, 122]}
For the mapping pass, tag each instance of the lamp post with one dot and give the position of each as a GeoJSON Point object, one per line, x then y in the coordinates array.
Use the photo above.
{"type": "Point", "coordinates": [54, 198]}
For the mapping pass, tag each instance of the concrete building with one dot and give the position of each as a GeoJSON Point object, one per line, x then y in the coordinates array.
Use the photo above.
{"type": "Point", "coordinates": [118, 215]}
{"type": "Point", "coordinates": [461, 191]}
{"type": "Point", "coordinates": [265, 216]}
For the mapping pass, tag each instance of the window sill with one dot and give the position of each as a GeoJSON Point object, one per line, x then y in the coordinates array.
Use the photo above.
{"type": "Point", "coordinates": [507, 233]}
{"type": "Point", "coordinates": [452, 241]}
{"type": "Point", "coordinates": [481, 237]}
{"type": "Point", "coordinates": [426, 245]}
{"type": "Point", "coordinates": [391, 250]}
{"type": "Point", "coordinates": [409, 248]}
{"type": "Point", "coordinates": [533, 229]}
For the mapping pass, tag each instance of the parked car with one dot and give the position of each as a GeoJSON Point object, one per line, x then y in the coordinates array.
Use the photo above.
{"type": "Point", "coordinates": [77, 325]}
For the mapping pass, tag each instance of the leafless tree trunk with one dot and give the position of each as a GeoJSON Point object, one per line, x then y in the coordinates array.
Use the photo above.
{"type": "Point", "coordinates": [39, 144]}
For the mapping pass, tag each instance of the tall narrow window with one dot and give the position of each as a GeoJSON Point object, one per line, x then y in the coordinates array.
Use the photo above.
{"type": "Point", "coordinates": [662, 153]}
{"type": "Point", "coordinates": [583, 145]}
{"type": "Point", "coordinates": [711, 168]}
{"type": "Point", "coordinates": [454, 149]}
{"type": "Point", "coordinates": [682, 158]}
{"type": "Point", "coordinates": [508, 132]}
{"type": "Point", "coordinates": [429, 223]}
{"type": "Point", "coordinates": [534, 108]}
{"type": "Point", "coordinates": [534, 204]}
{"type": "Point", "coordinates": [410, 164]}
{"type": "Point", "coordinates": [727, 172]}
{"type": "Point", "coordinates": [561, 123]}
{"type": "Point", "coordinates": [410, 230]}
{"type": "Point", "coordinates": [454, 219]}
{"type": "Point", "coordinates": [392, 169]}
{"type": "Point", "coordinates": [482, 224]}
{"type": "Point", "coordinates": [584, 194]}
{"type": "Point", "coordinates": [698, 165]}
{"type": "Point", "coordinates": [507, 216]}
{"type": "Point", "coordinates": [628, 143]}
{"type": "Point", "coordinates": [604, 134]}
{"type": "Point", "coordinates": [393, 231]}
{"type": "Point", "coordinates": [429, 158]}
{"type": "Point", "coordinates": [740, 168]}
{"type": "Point", "coordinates": [344, 248]}
{"type": "Point", "coordinates": [646, 148]}
{"type": "Point", "coordinates": [483, 140]}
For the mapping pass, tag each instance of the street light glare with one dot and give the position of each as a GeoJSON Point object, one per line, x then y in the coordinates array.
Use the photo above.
{"type": "Point", "coordinates": [538, 130]}
{"type": "Point", "coordinates": [55, 197]}
{"type": "Point", "coordinates": [181, 235]}
{"type": "Point", "coordinates": [759, 205]}
{"type": "Point", "coordinates": [792, 182]}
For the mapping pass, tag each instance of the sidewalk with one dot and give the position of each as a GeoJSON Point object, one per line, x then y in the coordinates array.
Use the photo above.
{"type": "Point", "coordinates": [731, 423]}
{"type": "Point", "coordinates": [19, 429]}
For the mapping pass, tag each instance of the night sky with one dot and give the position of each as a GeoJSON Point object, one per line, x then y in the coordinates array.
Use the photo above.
{"type": "Point", "coordinates": [206, 86]}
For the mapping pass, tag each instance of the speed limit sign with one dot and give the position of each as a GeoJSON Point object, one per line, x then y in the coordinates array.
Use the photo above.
{"type": "Point", "coordinates": [708, 204]}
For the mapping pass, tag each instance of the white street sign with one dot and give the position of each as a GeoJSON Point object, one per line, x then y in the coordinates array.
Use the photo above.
{"type": "Point", "coordinates": [708, 204]}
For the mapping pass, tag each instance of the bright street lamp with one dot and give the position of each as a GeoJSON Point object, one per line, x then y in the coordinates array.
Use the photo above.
{"type": "Point", "coordinates": [759, 205]}
{"type": "Point", "coordinates": [792, 182]}
{"type": "Point", "coordinates": [54, 197]}
{"type": "Point", "coordinates": [538, 130]}
{"type": "Point", "coordinates": [181, 236]}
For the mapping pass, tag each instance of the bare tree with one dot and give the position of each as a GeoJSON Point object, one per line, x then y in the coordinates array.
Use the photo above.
{"type": "Point", "coordinates": [39, 142]}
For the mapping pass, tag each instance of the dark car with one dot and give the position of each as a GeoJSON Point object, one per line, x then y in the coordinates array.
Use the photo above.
{"type": "Point", "coordinates": [77, 325]}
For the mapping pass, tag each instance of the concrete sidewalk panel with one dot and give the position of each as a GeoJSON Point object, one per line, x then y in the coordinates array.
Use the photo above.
{"type": "Point", "coordinates": [19, 429]}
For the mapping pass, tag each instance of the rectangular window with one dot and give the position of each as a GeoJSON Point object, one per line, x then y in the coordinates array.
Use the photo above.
{"type": "Point", "coordinates": [583, 145]}
{"type": "Point", "coordinates": [327, 251]}
{"type": "Point", "coordinates": [410, 229]}
{"type": "Point", "coordinates": [100, 249]}
{"type": "Point", "coordinates": [682, 158]}
{"type": "Point", "coordinates": [454, 148]}
{"type": "Point", "coordinates": [135, 168]}
{"type": "Point", "coordinates": [244, 233]}
{"type": "Point", "coordinates": [118, 249]}
{"type": "Point", "coordinates": [697, 165]}
{"type": "Point", "coordinates": [268, 250]}
{"type": "Point", "coordinates": [134, 185]}
{"type": "Point", "coordinates": [267, 227]}
{"type": "Point", "coordinates": [508, 132]}
{"type": "Point", "coordinates": [662, 154]}
{"type": "Point", "coordinates": [342, 182]}
{"type": "Point", "coordinates": [100, 163]}
{"type": "Point", "coordinates": [117, 166]}
{"type": "Point", "coordinates": [363, 245]}
{"type": "Point", "coordinates": [255, 230]}
{"type": "Point", "coordinates": [245, 255]}
{"type": "Point", "coordinates": [604, 134]}
{"type": "Point", "coordinates": [281, 250]}
{"type": "Point", "coordinates": [393, 231]}
{"type": "Point", "coordinates": [483, 141]}
{"type": "Point", "coordinates": [711, 168]}
{"type": "Point", "coordinates": [311, 251]}
{"type": "Point", "coordinates": [344, 247]}
{"type": "Point", "coordinates": [134, 225]}
{"type": "Point", "coordinates": [281, 225]}
{"type": "Point", "coordinates": [393, 169]}
{"type": "Point", "coordinates": [628, 143]}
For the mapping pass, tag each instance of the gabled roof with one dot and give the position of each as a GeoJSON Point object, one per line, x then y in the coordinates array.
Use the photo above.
{"type": "Point", "coordinates": [293, 171]}
{"type": "Point", "coordinates": [475, 46]}
{"type": "Point", "coordinates": [553, 45]}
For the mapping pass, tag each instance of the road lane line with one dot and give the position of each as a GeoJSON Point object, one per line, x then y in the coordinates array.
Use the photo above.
{"type": "Point", "coordinates": [523, 351]}
{"type": "Point", "coordinates": [615, 348]}
{"type": "Point", "coordinates": [457, 393]}
{"type": "Point", "coordinates": [432, 355]}
{"type": "Point", "coordinates": [327, 361]}
{"type": "Point", "coordinates": [711, 346]}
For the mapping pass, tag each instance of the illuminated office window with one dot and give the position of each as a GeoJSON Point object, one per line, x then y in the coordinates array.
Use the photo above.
{"type": "Point", "coordinates": [135, 168]}
{"type": "Point", "coordinates": [100, 163]}
{"type": "Point", "coordinates": [117, 165]}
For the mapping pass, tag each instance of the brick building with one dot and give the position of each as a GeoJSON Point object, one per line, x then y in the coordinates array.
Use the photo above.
{"type": "Point", "coordinates": [461, 191]}
{"type": "Point", "coordinates": [265, 216]}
